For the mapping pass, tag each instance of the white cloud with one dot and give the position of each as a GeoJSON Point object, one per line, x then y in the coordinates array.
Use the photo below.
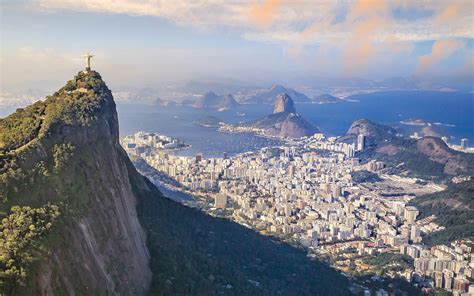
{"type": "Point", "coordinates": [362, 28]}
{"type": "Point", "coordinates": [362, 34]}
{"type": "Point", "coordinates": [290, 18]}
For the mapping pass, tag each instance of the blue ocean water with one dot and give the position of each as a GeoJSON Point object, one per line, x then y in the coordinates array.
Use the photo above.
{"type": "Point", "coordinates": [178, 122]}
{"type": "Point", "coordinates": [454, 110]}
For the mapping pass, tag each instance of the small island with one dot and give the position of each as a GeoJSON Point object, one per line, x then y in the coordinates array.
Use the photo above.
{"type": "Point", "coordinates": [144, 144]}
{"type": "Point", "coordinates": [209, 121]}
{"type": "Point", "coordinates": [414, 121]}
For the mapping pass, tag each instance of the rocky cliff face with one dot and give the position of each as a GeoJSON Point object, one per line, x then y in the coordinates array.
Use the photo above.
{"type": "Point", "coordinates": [98, 245]}
{"type": "Point", "coordinates": [283, 103]}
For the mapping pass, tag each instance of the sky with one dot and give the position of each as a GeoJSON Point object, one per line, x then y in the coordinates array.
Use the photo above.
{"type": "Point", "coordinates": [146, 42]}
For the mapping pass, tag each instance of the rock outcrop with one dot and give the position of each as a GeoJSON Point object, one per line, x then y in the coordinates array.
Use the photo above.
{"type": "Point", "coordinates": [283, 103]}
{"type": "Point", "coordinates": [284, 122]}
{"type": "Point", "coordinates": [98, 245]}
{"type": "Point", "coordinates": [220, 102]}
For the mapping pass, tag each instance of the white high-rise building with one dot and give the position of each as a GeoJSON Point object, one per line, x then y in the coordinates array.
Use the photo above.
{"type": "Point", "coordinates": [410, 214]}
{"type": "Point", "coordinates": [360, 142]}
{"type": "Point", "coordinates": [464, 144]}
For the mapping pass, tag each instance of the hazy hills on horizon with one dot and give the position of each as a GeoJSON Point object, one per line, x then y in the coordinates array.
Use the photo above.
{"type": "Point", "coordinates": [308, 88]}
{"type": "Point", "coordinates": [321, 90]}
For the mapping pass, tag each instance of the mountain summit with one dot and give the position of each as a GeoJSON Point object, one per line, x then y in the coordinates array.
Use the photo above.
{"type": "Point", "coordinates": [66, 154]}
{"type": "Point", "coordinates": [284, 103]}
{"type": "Point", "coordinates": [211, 100]}
{"type": "Point", "coordinates": [284, 122]}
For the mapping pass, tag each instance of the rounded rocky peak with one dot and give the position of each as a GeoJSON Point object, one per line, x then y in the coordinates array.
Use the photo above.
{"type": "Point", "coordinates": [284, 103]}
{"type": "Point", "coordinates": [210, 94]}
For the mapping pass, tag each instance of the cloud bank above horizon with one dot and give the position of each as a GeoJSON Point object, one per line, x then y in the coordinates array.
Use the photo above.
{"type": "Point", "coordinates": [367, 38]}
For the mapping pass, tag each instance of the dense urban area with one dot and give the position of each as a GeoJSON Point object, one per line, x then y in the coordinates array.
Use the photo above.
{"type": "Point", "coordinates": [315, 193]}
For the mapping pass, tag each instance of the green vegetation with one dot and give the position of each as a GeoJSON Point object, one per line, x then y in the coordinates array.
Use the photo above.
{"type": "Point", "coordinates": [37, 180]}
{"type": "Point", "coordinates": [77, 103]}
{"type": "Point", "coordinates": [21, 127]}
{"type": "Point", "coordinates": [61, 154]}
{"type": "Point", "coordinates": [407, 159]}
{"type": "Point", "coordinates": [454, 209]}
{"type": "Point", "coordinates": [428, 158]}
{"type": "Point", "coordinates": [387, 262]}
{"type": "Point", "coordinates": [18, 232]}
{"type": "Point", "coordinates": [364, 176]}
{"type": "Point", "coordinates": [414, 162]}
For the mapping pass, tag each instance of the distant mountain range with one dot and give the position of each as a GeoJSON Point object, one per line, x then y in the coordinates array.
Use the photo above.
{"type": "Point", "coordinates": [395, 83]}
{"type": "Point", "coordinates": [219, 102]}
{"type": "Point", "coordinates": [164, 103]}
{"type": "Point", "coordinates": [267, 96]}
{"type": "Point", "coordinates": [248, 92]}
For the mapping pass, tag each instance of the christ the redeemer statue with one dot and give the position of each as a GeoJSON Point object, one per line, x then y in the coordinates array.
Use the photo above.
{"type": "Point", "coordinates": [87, 58]}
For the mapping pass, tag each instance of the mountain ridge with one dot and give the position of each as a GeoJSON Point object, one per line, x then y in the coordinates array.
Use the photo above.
{"type": "Point", "coordinates": [220, 102]}
{"type": "Point", "coordinates": [267, 96]}
{"type": "Point", "coordinates": [427, 158]}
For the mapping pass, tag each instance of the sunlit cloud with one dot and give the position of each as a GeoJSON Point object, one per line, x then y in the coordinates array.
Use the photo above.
{"type": "Point", "coordinates": [441, 49]}
{"type": "Point", "coordinates": [310, 19]}
{"type": "Point", "coordinates": [263, 13]}
{"type": "Point", "coordinates": [362, 32]}
{"type": "Point", "coordinates": [449, 13]}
